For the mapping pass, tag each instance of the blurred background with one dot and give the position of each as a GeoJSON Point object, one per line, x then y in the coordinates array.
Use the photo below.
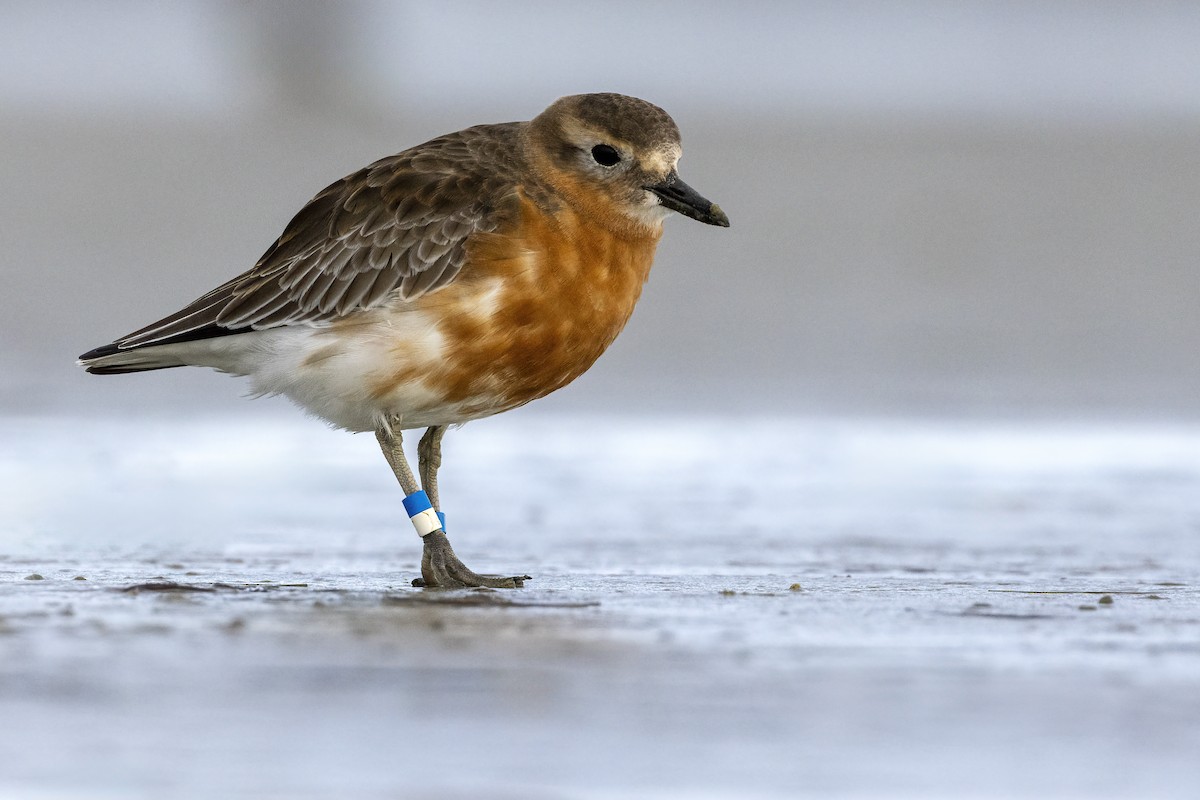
{"type": "Point", "coordinates": [968, 228]}
{"type": "Point", "coordinates": [939, 208]}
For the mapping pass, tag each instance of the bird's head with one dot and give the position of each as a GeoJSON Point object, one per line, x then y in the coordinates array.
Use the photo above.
{"type": "Point", "coordinates": [617, 153]}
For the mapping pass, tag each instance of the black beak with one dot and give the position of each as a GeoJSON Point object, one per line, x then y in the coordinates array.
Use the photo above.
{"type": "Point", "coordinates": [678, 196]}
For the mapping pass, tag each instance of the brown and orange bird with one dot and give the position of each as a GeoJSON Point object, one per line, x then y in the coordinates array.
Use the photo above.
{"type": "Point", "coordinates": [458, 279]}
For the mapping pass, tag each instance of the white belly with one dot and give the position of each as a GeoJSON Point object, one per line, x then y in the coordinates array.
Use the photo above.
{"type": "Point", "coordinates": [329, 371]}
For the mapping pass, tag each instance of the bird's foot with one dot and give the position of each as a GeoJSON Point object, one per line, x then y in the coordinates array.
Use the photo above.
{"type": "Point", "coordinates": [441, 568]}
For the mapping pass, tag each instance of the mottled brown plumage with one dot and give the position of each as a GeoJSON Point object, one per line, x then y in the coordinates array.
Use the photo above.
{"type": "Point", "coordinates": [396, 229]}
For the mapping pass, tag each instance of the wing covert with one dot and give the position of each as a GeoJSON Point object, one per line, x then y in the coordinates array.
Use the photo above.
{"type": "Point", "coordinates": [396, 228]}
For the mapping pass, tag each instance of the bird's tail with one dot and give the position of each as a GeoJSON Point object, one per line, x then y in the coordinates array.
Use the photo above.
{"type": "Point", "coordinates": [112, 360]}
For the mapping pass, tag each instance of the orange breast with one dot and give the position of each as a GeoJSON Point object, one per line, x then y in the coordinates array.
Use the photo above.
{"type": "Point", "coordinates": [536, 307]}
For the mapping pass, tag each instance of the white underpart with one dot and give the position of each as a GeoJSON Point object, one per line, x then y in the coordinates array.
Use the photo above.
{"type": "Point", "coordinates": [329, 372]}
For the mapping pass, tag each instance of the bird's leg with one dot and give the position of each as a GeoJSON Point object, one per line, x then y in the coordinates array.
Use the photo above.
{"type": "Point", "coordinates": [391, 442]}
{"type": "Point", "coordinates": [439, 565]}
{"type": "Point", "coordinates": [429, 460]}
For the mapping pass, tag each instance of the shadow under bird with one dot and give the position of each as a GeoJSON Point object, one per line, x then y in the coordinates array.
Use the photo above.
{"type": "Point", "coordinates": [452, 281]}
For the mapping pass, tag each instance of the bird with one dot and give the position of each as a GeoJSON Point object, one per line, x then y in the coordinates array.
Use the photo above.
{"type": "Point", "coordinates": [455, 280]}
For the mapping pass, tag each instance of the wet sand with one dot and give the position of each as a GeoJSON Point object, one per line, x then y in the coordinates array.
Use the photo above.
{"type": "Point", "coordinates": [808, 608]}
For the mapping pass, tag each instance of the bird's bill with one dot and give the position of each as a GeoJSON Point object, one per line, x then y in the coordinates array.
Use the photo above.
{"type": "Point", "coordinates": [678, 196]}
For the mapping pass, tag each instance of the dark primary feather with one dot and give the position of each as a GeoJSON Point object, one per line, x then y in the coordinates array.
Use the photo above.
{"type": "Point", "coordinates": [208, 332]}
{"type": "Point", "coordinates": [399, 226]}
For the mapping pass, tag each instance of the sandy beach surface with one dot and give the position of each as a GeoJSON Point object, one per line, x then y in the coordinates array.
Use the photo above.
{"type": "Point", "coordinates": [779, 608]}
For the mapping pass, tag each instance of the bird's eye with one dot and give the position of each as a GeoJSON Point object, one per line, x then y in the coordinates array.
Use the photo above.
{"type": "Point", "coordinates": [605, 155]}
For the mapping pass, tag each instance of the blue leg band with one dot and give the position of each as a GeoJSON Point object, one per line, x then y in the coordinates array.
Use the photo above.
{"type": "Point", "coordinates": [421, 514]}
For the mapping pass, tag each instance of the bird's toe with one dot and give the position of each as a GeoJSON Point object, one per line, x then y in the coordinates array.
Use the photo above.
{"type": "Point", "coordinates": [441, 568]}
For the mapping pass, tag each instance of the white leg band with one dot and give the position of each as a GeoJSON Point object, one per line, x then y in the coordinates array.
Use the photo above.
{"type": "Point", "coordinates": [426, 522]}
{"type": "Point", "coordinates": [421, 513]}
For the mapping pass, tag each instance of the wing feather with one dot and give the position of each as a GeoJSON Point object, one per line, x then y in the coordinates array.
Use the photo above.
{"type": "Point", "coordinates": [396, 229]}
{"type": "Point", "coordinates": [356, 292]}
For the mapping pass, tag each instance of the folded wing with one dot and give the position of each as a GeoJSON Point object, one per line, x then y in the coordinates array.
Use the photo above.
{"type": "Point", "coordinates": [395, 229]}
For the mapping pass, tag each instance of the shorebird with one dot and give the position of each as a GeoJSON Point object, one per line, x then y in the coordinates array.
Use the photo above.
{"type": "Point", "coordinates": [458, 279]}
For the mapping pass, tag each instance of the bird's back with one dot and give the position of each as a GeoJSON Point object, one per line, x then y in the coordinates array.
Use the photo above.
{"type": "Point", "coordinates": [396, 228]}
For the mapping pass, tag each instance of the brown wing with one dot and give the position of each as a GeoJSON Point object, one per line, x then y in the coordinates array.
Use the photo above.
{"type": "Point", "coordinates": [397, 228]}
